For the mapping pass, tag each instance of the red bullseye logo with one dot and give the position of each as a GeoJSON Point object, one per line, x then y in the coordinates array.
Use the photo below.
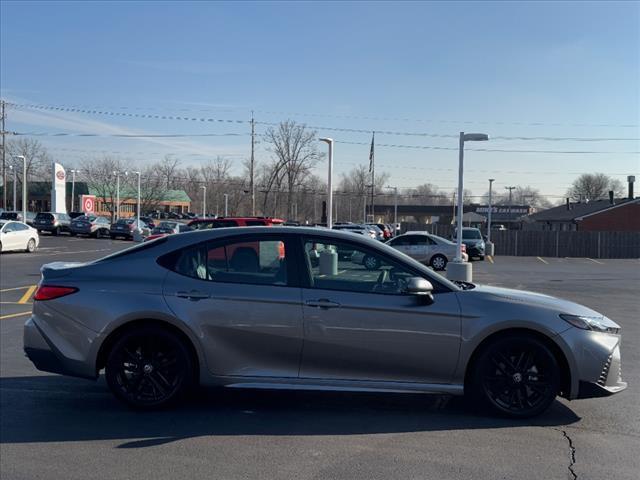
{"type": "Point", "coordinates": [88, 204]}
{"type": "Point", "coordinates": [60, 175]}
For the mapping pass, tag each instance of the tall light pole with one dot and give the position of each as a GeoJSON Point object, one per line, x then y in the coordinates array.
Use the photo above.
{"type": "Point", "coordinates": [204, 200]}
{"type": "Point", "coordinates": [329, 141]}
{"type": "Point", "coordinates": [14, 170]}
{"type": "Point", "coordinates": [510, 190]}
{"type": "Point", "coordinates": [138, 203]}
{"type": "Point", "coordinates": [489, 246]}
{"type": "Point", "coordinates": [395, 209]}
{"type": "Point", "coordinates": [24, 186]}
{"type": "Point", "coordinates": [226, 204]}
{"type": "Point", "coordinates": [117, 174]}
{"type": "Point", "coordinates": [73, 187]}
{"type": "Point", "coordinates": [459, 270]}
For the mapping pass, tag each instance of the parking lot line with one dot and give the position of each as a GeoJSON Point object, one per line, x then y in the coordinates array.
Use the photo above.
{"type": "Point", "coordinates": [27, 295]}
{"type": "Point", "coordinates": [543, 260]}
{"type": "Point", "coordinates": [596, 261]}
{"type": "Point", "coordinates": [14, 289]}
{"type": "Point", "coordinates": [13, 315]}
{"type": "Point", "coordinates": [490, 258]}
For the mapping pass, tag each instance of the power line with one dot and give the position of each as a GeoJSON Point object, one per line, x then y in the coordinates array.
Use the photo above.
{"type": "Point", "coordinates": [123, 135]}
{"type": "Point", "coordinates": [100, 111]}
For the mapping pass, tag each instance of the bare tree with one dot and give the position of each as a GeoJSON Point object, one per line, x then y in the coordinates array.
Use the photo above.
{"type": "Point", "coordinates": [100, 178]}
{"type": "Point", "coordinates": [520, 196]}
{"type": "Point", "coordinates": [168, 169]}
{"type": "Point", "coordinates": [38, 159]}
{"type": "Point", "coordinates": [594, 186]}
{"type": "Point", "coordinates": [295, 154]}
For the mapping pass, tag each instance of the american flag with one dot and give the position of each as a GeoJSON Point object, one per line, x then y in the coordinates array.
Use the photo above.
{"type": "Point", "coordinates": [371, 156]}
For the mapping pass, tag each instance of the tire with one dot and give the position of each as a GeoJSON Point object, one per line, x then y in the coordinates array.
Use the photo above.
{"type": "Point", "coordinates": [31, 245]}
{"type": "Point", "coordinates": [438, 262]}
{"type": "Point", "coordinates": [481, 258]}
{"type": "Point", "coordinates": [149, 367]}
{"type": "Point", "coordinates": [73, 234]}
{"type": "Point", "coordinates": [371, 263]}
{"type": "Point", "coordinates": [113, 237]}
{"type": "Point", "coordinates": [516, 376]}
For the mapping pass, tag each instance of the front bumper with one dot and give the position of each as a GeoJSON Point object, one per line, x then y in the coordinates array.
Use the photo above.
{"type": "Point", "coordinates": [597, 371]}
{"type": "Point", "coordinates": [475, 251]}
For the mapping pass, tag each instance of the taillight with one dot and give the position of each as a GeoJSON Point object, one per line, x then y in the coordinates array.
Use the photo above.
{"type": "Point", "coordinates": [49, 292]}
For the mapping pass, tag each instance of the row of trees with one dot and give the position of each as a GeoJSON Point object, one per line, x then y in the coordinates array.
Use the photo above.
{"type": "Point", "coordinates": [285, 185]}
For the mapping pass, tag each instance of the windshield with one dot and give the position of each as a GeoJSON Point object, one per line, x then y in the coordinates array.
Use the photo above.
{"type": "Point", "coordinates": [471, 235]}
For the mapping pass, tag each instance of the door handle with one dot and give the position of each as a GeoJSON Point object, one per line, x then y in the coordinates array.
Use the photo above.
{"type": "Point", "coordinates": [322, 303]}
{"type": "Point", "coordinates": [192, 295]}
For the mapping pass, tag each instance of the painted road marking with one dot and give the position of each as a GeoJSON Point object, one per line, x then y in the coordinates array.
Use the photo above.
{"type": "Point", "coordinates": [596, 261]}
{"type": "Point", "coordinates": [543, 260]}
{"type": "Point", "coordinates": [27, 295]}
{"type": "Point", "coordinates": [13, 315]}
{"type": "Point", "coordinates": [14, 288]}
{"type": "Point", "coordinates": [16, 303]}
{"type": "Point", "coordinates": [490, 258]}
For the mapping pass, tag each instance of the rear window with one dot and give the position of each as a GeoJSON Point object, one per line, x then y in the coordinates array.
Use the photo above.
{"type": "Point", "coordinates": [471, 234]}
{"type": "Point", "coordinates": [135, 249]}
{"type": "Point", "coordinates": [9, 216]}
{"type": "Point", "coordinates": [125, 221]}
{"type": "Point", "coordinates": [44, 216]}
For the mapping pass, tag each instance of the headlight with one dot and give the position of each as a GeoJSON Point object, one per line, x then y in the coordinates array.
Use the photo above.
{"type": "Point", "coordinates": [597, 324]}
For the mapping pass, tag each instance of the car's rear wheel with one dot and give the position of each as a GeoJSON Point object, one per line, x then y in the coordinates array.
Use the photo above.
{"type": "Point", "coordinates": [56, 231]}
{"type": "Point", "coordinates": [31, 245]}
{"type": "Point", "coordinates": [149, 367]}
{"type": "Point", "coordinates": [438, 262]}
{"type": "Point", "coordinates": [516, 375]}
{"type": "Point", "coordinates": [371, 263]}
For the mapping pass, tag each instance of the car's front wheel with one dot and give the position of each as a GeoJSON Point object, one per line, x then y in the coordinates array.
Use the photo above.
{"type": "Point", "coordinates": [149, 367]}
{"type": "Point", "coordinates": [438, 262]}
{"type": "Point", "coordinates": [516, 375]}
{"type": "Point", "coordinates": [371, 263]}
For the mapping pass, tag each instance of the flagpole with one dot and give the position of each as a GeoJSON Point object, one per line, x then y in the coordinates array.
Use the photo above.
{"type": "Point", "coordinates": [373, 174]}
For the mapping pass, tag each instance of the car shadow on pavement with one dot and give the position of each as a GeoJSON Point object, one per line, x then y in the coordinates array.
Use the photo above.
{"type": "Point", "coordinates": [58, 409]}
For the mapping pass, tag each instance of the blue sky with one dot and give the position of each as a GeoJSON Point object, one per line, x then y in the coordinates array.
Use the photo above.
{"type": "Point", "coordinates": [540, 69]}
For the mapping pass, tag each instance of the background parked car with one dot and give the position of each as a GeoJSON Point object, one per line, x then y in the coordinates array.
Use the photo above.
{"type": "Point", "coordinates": [124, 228]}
{"type": "Point", "coordinates": [91, 225]}
{"type": "Point", "coordinates": [18, 236]}
{"type": "Point", "coordinates": [54, 223]}
{"type": "Point", "coordinates": [474, 241]}
{"type": "Point", "coordinates": [428, 249]}
{"type": "Point", "coordinates": [221, 222]}
{"type": "Point", "coordinates": [357, 228]}
{"type": "Point", "coordinates": [73, 215]}
{"type": "Point", "coordinates": [17, 216]}
{"type": "Point", "coordinates": [149, 221]}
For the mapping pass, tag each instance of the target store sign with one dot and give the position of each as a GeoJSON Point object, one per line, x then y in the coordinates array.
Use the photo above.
{"type": "Point", "coordinates": [88, 203]}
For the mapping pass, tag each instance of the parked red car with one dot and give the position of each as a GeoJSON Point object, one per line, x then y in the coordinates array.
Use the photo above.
{"type": "Point", "coordinates": [221, 222]}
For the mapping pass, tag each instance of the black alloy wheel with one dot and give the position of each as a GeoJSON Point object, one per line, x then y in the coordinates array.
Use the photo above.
{"type": "Point", "coordinates": [149, 367]}
{"type": "Point", "coordinates": [517, 376]}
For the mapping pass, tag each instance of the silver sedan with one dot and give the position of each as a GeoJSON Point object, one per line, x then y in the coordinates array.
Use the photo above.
{"type": "Point", "coordinates": [248, 308]}
{"type": "Point", "coordinates": [426, 248]}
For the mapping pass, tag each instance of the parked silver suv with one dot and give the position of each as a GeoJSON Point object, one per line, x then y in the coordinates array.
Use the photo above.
{"type": "Point", "coordinates": [54, 223]}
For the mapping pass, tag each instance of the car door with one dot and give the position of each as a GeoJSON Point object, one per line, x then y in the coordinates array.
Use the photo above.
{"type": "Point", "coordinates": [417, 247]}
{"type": "Point", "coordinates": [361, 325]}
{"type": "Point", "coordinates": [241, 297]}
{"type": "Point", "coordinates": [11, 237]}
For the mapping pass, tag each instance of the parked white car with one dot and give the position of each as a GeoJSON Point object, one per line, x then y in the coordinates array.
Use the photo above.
{"type": "Point", "coordinates": [428, 249]}
{"type": "Point", "coordinates": [18, 236]}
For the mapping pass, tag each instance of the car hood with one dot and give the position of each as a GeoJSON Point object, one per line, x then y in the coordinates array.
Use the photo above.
{"type": "Point", "coordinates": [532, 299]}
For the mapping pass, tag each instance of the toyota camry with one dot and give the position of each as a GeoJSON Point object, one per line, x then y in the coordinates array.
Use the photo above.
{"type": "Point", "coordinates": [278, 307]}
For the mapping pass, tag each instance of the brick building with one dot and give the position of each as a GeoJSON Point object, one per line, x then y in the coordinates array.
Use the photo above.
{"type": "Point", "coordinates": [624, 217]}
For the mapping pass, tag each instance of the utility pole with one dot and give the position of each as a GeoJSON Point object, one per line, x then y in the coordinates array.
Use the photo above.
{"type": "Point", "coordinates": [372, 161]}
{"type": "Point", "coordinates": [510, 189]}
{"type": "Point", "coordinates": [252, 168]}
{"type": "Point", "coordinates": [4, 163]}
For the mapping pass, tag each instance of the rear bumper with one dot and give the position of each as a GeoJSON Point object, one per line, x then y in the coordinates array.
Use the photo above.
{"type": "Point", "coordinates": [46, 357]}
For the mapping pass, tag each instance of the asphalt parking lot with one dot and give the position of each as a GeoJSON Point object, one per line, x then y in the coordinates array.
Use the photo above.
{"type": "Point", "coordinates": [57, 427]}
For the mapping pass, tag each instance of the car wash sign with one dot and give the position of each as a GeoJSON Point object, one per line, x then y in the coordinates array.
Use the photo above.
{"type": "Point", "coordinates": [58, 189]}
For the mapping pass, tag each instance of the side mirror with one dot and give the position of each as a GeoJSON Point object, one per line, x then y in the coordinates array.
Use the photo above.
{"type": "Point", "coordinates": [421, 288]}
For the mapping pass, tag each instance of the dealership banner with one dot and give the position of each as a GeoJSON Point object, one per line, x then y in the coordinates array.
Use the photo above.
{"type": "Point", "coordinates": [58, 189]}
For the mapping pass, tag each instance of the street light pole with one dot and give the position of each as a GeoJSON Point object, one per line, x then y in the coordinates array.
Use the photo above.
{"type": "Point", "coordinates": [73, 187]}
{"type": "Point", "coordinates": [24, 187]}
{"type": "Point", "coordinates": [138, 209]}
{"type": "Point", "coordinates": [226, 204]}
{"type": "Point", "coordinates": [204, 200]}
{"type": "Point", "coordinates": [457, 269]}
{"type": "Point", "coordinates": [489, 246]}
{"type": "Point", "coordinates": [329, 141]}
{"type": "Point", "coordinates": [13, 169]}
{"type": "Point", "coordinates": [510, 190]}
{"type": "Point", "coordinates": [395, 209]}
